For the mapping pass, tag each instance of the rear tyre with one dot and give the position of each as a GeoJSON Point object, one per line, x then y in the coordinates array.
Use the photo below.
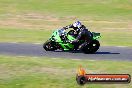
{"type": "Point", "coordinates": [92, 47]}
{"type": "Point", "coordinates": [49, 46]}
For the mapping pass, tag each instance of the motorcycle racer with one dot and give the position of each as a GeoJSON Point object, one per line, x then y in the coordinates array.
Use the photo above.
{"type": "Point", "coordinates": [81, 33]}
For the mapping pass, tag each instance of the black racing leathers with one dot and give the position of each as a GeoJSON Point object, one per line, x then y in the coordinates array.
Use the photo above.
{"type": "Point", "coordinates": [82, 34]}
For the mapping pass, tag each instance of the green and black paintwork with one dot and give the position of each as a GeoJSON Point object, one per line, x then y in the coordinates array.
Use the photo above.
{"type": "Point", "coordinates": [56, 41]}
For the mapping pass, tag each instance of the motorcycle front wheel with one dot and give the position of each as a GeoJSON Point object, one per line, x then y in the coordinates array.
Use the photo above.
{"type": "Point", "coordinates": [49, 46]}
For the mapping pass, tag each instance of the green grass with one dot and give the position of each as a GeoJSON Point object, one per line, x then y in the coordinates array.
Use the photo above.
{"type": "Point", "coordinates": [40, 36]}
{"type": "Point", "coordinates": [116, 39]}
{"type": "Point", "coordinates": [32, 20]}
{"type": "Point", "coordinates": [96, 9]}
{"type": "Point", "coordinates": [22, 35]}
{"type": "Point", "coordinates": [43, 72]}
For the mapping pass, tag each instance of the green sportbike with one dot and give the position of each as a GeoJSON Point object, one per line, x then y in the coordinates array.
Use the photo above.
{"type": "Point", "coordinates": [60, 41]}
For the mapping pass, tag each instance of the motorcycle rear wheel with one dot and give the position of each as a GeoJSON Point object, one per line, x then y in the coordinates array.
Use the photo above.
{"type": "Point", "coordinates": [92, 47]}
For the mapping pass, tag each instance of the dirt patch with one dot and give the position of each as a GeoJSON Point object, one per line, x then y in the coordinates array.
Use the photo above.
{"type": "Point", "coordinates": [61, 71]}
{"type": "Point", "coordinates": [48, 22]}
{"type": "Point", "coordinates": [31, 20]}
{"type": "Point", "coordinates": [13, 23]}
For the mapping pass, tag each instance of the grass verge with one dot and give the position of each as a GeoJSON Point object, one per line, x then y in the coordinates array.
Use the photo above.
{"type": "Point", "coordinates": [44, 72]}
{"type": "Point", "coordinates": [117, 38]}
{"type": "Point", "coordinates": [112, 18]}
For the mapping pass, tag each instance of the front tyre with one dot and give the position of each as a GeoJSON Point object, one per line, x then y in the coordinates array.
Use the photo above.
{"type": "Point", "coordinates": [49, 46]}
{"type": "Point", "coordinates": [92, 47]}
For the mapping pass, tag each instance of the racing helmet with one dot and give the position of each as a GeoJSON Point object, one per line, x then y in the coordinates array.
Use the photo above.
{"type": "Point", "coordinates": [77, 24]}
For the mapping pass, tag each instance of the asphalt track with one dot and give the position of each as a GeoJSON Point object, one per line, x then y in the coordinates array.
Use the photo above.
{"type": "Point", "coordinates": [104, 53]}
